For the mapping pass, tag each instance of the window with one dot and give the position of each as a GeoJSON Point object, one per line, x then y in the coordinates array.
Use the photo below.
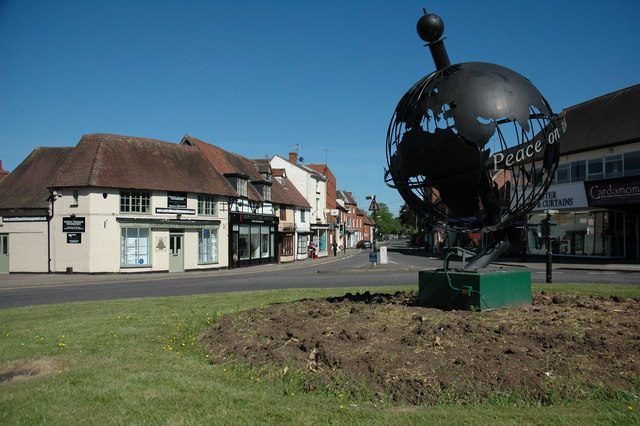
{"type": "Point", "coordinates": [207, 205]}
{"type": "Point", "coordinates": [208, 245]}
{"type": "Point", "coordinates": [578, 171]}
{"type": "Point", "coordinates": [596, 171]}
{"type": "Point", "coordinates": [632, 163]}
{"type": "Point", "coordinates": [134, 247]}
{"type": "Point", "coordinates": [135, 202]}
{"type": "Point", "coordinates": [613, 166]}
{"type": "Point", "coordinates": [266, 192]}
{"type": "Point", "coordinates": [241, 187]}
{"type": "Point", "coordinates": [303, 244]}
{"type": "Point", "coordinates": [303, 216]}
{"type": "Point", "coordinates": [75, 195]}
{"type": "Point", "coordinates": [563, 173]}
{"type": "Point", "coordinates": [283, 212]}
{"type": "Point", "coordinates": [287, 246]}
{"type": "Point", "coordinates": [265, 242]}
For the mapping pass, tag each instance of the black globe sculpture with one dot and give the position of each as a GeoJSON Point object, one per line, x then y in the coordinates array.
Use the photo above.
{"type": "Point", "coordinates": [471, 147]}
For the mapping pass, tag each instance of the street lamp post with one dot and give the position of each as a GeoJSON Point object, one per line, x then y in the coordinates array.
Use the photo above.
{"type": "Point", "coordinates": [546, 233]}
{"type": "Point", "coordinates": [53, 195]}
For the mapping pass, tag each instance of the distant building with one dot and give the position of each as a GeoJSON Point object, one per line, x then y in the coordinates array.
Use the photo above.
{"type": "Point", "coordinates": [312, 185]}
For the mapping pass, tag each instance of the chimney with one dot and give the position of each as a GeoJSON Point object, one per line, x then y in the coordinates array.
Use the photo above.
{"type": "Point", "coordinates": [293, 157]}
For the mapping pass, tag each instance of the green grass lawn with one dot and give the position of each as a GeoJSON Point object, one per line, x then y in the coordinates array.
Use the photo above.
{"type": "Point", "coordinates": [139, 361]}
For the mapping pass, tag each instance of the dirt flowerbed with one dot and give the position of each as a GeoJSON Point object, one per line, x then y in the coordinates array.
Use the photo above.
{"type": "Point", "coordinates": [560, 348]}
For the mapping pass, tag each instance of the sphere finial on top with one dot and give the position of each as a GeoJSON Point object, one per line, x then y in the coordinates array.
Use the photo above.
{"type": "Point", "coordinates": [430, 27]}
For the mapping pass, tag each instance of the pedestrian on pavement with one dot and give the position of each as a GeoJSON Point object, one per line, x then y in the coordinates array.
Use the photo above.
{"type": "Point", "coordinates": [335, 248]}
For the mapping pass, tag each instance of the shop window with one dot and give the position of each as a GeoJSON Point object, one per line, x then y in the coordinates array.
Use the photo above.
{"type": "Point", "coordinates": [632, 163]}
{"type": "Point", "coordinates": [303, 244]}
{"type": "Point", "coordinates": [243, 242]}
{"type": "Point", "coordinates": [613, 166]}
{"type": "Point", "coordinates": [563, 173]}
{"type": "Point", "coordinates": [255, 242]}
{"type": "Point", "coordinates": [135, 202]}
{"type": "Point", "coordinates": [134, 247]}
{"type": "Point", "coordinates": [265, 244]}
{"type": "Point", "coordinates": [207, 205]}
{"type": "Point", "coordinates": [287, 246]}
{"type": "Point", "coordinates": [578, 171]}
{"type": "Point", "coordinates": [596, 169]}
{"type": "Point", "coordinates": [208, 245]}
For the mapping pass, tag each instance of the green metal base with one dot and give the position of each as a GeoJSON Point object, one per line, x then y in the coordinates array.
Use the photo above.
{"type": "Point", "coordinates": [474, 290]}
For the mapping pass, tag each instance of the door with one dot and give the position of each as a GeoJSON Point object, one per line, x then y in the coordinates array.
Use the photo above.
{"type": "Point", "coordinates": [176, 255]}
{"type": "Point", "coordinates": [4, 253]}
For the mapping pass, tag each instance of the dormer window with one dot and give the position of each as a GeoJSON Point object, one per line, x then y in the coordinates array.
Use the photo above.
{"type": "Point", "coordinates": [239, 182]}
{"type": "Point", "coordinates": [241, 187]}
{"type": "Point", "coordinates": [264, 188]}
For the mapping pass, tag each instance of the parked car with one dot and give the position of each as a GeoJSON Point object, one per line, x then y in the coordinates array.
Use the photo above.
{"type": "Point", "coordinates": [363, 244]}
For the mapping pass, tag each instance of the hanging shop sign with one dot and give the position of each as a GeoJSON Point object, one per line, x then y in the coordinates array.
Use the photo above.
{"type": "Point", "coordinates": [73, 224]}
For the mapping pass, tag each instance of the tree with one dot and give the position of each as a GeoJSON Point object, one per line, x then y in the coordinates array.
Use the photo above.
{"type": "Point", "coordinates": [387, 224]}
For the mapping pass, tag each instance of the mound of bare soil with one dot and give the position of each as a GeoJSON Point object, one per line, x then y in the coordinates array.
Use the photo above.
{"type": "Point", "coordinates": [562, 346]}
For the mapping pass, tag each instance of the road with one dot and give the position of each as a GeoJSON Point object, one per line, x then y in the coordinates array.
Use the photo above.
{"type": "Point", "coordinates": [350, 270]}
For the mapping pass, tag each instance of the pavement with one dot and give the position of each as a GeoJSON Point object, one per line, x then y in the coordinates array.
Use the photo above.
{"type": "Point", "coordinates": [31, 280]}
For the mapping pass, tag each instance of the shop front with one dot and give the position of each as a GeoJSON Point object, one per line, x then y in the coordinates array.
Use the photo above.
{"type": "Point", "coordinates": [252, 239]}
{"type": "Point", "coordinates": [591, 219]}
{"type": "Point", "coordinates": [319, 239]}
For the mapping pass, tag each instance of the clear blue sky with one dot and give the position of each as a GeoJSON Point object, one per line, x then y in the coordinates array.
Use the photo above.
{"type": "Point", "coordinates": [267, 77]}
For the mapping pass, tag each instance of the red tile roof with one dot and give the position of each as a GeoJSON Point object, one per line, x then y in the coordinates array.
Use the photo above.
{"type": "Point", "coordinates": [228, 163]}
{"type": "Point", "coordinates": [113, 161]}
{"type": "Point", "coordinates": [27, 186]}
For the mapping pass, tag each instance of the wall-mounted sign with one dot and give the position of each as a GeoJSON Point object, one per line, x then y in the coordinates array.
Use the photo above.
{"type": "Point", "coordinates": [9, 219]}
{"type": "Point", "coordinates": [177, 200]}
{"type": "Point", "coordinates": [613, 192]}
{"type": "Point", "coordinates": [73, 224]}
{"type": "Point", "coordinates": [335, 212]}
{"type": "Point", "coordinates": [74, 238]}
{"type": "Point", "coordinates": [161, 210]}
{"type": "Point", "coordinates": [160, 244]}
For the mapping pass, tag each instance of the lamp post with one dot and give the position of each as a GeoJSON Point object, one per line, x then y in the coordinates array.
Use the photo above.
{"type": "Point", "coordinates": [53, 195]}
{"type": "Point", "coordinates": [546, 233]}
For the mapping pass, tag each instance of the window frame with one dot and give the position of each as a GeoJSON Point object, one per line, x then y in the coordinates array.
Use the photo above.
{"type": "Point", "coordinates": [211, 255]}
{"type": "Point", "coordinates": [143, 199]}
{"type": "Point", "coordinates": [124, 247]}
{"type": "Point", "coordinates": [207, 205]}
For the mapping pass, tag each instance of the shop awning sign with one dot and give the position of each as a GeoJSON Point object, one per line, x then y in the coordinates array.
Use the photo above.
{"type": "Point", "coordinates": [613, 192]}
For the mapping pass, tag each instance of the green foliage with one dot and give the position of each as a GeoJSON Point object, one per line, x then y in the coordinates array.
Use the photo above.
{"type": "Point", "coordinates": [387, 224]}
